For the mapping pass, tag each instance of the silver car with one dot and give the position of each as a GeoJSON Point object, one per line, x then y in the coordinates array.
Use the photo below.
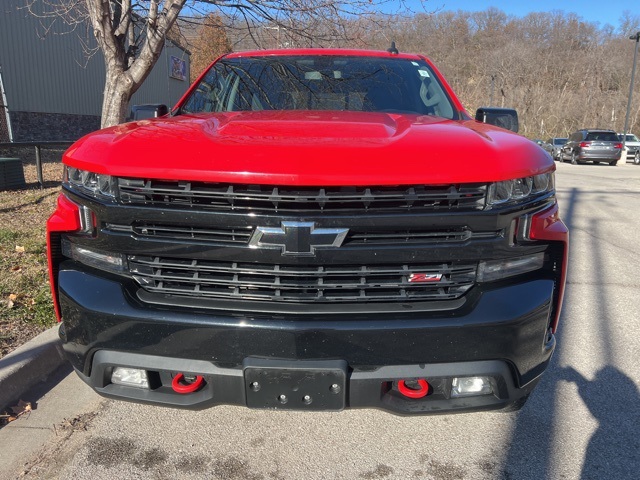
{"type": "Point", "coordinates": [633, 147]}
{"type": "Point", "coordinates": [554, 146]}
{"type": "Point", "coordinates": [592, 145]}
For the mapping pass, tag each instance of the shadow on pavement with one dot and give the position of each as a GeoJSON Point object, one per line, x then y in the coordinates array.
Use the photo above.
{"type": "Point", "coordinates": [613, 399]}
{"type": "Point", "coordinates": [613, 451]}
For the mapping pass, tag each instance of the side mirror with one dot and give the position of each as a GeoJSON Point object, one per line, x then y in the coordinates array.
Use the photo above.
{"type": "Point", "coordinates": [500, 117]}
{"type": "Point", "coordinates": [142, 112]}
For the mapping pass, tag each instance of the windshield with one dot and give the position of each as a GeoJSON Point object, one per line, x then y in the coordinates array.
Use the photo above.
{"type": "Point", "coordinates": [602, 137]}
{"type": "Point", "coordinates": [629, 138]}
{"type": "Point", "coordinates": [320, 82]}
{"type": "Point", "coordinates": [559, 141]}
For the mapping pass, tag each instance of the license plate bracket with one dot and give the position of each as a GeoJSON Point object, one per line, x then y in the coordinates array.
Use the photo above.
{"type": "Point", "coordinates": [295, 384]}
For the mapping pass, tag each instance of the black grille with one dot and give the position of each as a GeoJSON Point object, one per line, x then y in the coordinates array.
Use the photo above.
{"type": "Point", "coordinates": [281, 283]}
{"type": "Point", "coordinates": [264, 198]}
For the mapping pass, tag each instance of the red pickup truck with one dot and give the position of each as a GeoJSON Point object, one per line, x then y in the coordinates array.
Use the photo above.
{"type": "Point", "coordinates": [314, 230]}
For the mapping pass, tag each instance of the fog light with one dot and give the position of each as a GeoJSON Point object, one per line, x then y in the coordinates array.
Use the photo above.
{"type": "Point", "coordinates": [497, 269]}
{"type": "Point", "coordinates": [114, 262]}
{"type": "Point", "coordinates": [131, 377]}
{"type": "Point", "coordinates": [468, 386]}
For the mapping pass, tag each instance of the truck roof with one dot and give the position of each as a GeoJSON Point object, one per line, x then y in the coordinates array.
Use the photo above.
{"type": "Point", "coordinates": [322, 51]}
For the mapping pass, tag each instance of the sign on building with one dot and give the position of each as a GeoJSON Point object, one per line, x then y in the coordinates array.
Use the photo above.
{"type": "Point", "coordinates": [177, 68]}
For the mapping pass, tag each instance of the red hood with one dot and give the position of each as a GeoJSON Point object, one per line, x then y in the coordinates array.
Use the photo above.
{"type": "Point", "coordinates": [310, 148]}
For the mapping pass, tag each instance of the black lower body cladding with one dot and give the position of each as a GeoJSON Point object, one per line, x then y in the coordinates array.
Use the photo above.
{"type": "Point", "coordinates": [500, 333]}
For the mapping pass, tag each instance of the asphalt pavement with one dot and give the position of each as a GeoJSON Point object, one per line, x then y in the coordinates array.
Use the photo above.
{"type": "Point", "coordinates": [581, 422]}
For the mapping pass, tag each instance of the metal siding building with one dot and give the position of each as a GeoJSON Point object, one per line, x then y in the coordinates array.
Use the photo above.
{"type": "Point", "coordinates": [160, 87]}
{"type": "Point", "coordinates": [53, 89]}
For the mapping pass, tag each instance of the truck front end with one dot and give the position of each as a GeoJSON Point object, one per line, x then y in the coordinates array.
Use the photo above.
{"type": "Point", "coordinates": [319, 256]}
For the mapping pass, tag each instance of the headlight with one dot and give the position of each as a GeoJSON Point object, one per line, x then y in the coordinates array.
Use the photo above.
{"type": "Point", "coordinates": [520, 189]}
{"type": "Point", "coordinates": [96, 185]}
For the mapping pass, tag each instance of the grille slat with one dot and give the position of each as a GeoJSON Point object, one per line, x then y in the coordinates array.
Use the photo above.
{"type": "Point", "coordinates": [410, 236]}
{"type": "Point", "coordinates": [230, 235]}
{"type": "Point", "coordinates": [282, 283]}
{"type": "Point", "coordinates": [242, 235]}
{"type": "Point", "coordinates": [264, 198]}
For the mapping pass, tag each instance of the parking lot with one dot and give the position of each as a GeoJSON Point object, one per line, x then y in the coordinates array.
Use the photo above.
{"type": "Point", "coordinates": [581, 422]}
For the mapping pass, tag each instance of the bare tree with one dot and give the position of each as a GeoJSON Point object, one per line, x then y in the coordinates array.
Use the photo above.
{"type": "Point", "coordinates": [131, 34]}
{"type": "Point", "coordinates": [209, 43]}
{"type": "Point", "coordinates": [560, 72]}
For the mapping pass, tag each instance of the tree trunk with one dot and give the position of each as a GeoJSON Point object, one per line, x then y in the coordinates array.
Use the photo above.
{"type": "Point", "coordinates": [111, 28]}
{"type": "Point", "coordinates": [118, 90]}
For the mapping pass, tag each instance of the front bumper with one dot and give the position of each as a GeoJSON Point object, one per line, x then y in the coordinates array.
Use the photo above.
{"type": "Point", "coordinates": [631, 152]}
{"type": "Point", "coordinates": [501, 333]}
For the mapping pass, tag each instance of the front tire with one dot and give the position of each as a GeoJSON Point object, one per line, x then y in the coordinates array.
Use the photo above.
{"type": "Point", "coordinates": [614, 163]}
{"type": "Point", "coordinates": [636, 159]}
{"type": "Point", "coordinates": [574, 159]}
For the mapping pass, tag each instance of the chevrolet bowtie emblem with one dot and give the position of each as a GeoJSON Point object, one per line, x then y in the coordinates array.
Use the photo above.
{"type": "Point", "coordinates": [297, 238]}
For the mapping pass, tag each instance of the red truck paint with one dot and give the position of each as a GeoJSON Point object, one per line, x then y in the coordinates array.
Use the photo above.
{"type": "Point", "coordinates": [306, 148]}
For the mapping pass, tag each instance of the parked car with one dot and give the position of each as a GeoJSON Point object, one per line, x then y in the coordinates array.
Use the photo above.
{"type": "Point", "coordinates": [554, 146]}
{"type": "Point", "coordinates": [592, 145]}
{"type": "Point", "coordinates": [633, 146]}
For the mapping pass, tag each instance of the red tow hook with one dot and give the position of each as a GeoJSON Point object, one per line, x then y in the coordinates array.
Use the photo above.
{"type": "Point", "coordinates": [180, 386]}
{"type": "Point", "coordinates": [414, 393]}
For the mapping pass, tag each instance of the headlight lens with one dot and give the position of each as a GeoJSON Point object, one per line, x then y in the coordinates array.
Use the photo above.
{"type": "Point", "coordinates": [520, 189]}
{"type": "Point", "coordinates": [96, 185]}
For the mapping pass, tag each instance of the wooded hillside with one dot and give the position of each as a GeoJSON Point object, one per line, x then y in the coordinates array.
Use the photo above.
{"type": "Point", "coordinates": [560, 72]}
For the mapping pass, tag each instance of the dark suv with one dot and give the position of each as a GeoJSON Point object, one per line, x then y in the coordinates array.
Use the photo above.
{"type": "Point", "coordinates": [592, 145]}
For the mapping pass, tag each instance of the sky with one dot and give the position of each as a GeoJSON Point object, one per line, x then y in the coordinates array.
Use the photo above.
{"type": "Point", "coordinates": [602, 11]}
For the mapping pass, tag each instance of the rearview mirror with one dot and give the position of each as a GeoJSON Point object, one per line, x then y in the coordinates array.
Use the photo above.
{"type": "Point", "coordinates": [500, 117]}
{"type": "Point", "coordinates": [152, 110]}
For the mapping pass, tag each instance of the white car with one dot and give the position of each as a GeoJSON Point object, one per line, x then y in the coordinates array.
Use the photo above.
{"type": "Point", "coordinates": [633, 147]}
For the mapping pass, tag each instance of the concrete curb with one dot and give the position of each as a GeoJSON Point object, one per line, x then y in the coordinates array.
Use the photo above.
{"type": "Point", "coordinates": [29, 365]}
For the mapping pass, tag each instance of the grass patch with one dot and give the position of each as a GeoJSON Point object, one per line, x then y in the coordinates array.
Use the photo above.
{"type": "Point", "coordinates": [26, 307]}
{"type": "Point", "coordinates": [8, 236]}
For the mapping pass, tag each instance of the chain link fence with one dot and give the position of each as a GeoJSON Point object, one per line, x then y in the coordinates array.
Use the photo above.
{"type": "Point", "coordinates": [4, 123]}
{"type": "Point", "coordinates": [5, 128]}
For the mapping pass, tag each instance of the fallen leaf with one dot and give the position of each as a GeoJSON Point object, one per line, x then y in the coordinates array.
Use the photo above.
{"type": "Point", "coordinates": [19, 249]}
{"type": "Point", "coordinates": [22, 408]}
{"type": "Point", "coordinates": [12, 300]}
{"type": "Point", "coordinates": [19, 410]}
{"type": "Point", "coordinates": [16, 268]}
